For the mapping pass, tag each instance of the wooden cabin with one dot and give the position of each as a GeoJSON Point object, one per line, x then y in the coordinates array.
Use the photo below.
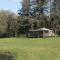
{"type": "Point", "coordinates": [42, 32]}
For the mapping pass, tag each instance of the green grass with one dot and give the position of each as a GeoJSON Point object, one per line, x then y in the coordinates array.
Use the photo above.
{"type": "Point", "coordinates": [32, 48]}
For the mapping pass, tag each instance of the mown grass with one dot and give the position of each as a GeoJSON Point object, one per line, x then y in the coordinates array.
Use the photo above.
{"type": "Point", "coordinates": [32, 48]}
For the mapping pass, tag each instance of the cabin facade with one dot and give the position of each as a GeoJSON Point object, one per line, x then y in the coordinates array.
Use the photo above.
{"type": "Point", "coordinates": [42, 32]}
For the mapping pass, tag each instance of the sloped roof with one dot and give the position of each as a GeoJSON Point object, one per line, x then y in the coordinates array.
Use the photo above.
{"type": "Point", "coordinates": [41, 29]}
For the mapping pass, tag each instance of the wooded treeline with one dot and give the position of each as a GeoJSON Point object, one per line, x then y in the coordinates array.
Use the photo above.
{"type": "Point", "coordinates": [12, 25]}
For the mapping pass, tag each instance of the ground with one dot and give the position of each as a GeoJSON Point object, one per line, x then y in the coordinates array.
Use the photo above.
{"type": "Point", "coordinates": [32, 48]}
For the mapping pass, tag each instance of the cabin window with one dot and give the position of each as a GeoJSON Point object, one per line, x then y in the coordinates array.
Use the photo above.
{"type": "Point", "coordinates": [46, 31]}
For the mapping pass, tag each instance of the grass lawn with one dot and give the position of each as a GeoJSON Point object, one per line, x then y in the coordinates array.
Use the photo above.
{"type": "Point", "coordinates": [32, 48]}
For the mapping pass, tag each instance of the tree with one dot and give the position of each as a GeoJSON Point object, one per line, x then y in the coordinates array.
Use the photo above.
{"type": "Point", "coordinates": [35, 13]}
{"type": "Point", "coordinates": [55, 23]}
{"type": "Point", "coordinates": [8, 21]}
{"type": "Point", "coordinates": [24, 26]}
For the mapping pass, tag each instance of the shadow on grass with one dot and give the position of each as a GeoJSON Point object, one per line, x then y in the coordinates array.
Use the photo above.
{"type": "Point", "coordinates": [7, 56]}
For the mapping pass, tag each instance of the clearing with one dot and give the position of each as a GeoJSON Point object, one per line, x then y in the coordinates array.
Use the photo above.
{"type": "Point", "coordinates": [32, 48]}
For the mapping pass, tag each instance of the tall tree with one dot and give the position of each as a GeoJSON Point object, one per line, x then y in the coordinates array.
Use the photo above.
{"type": "Point", "coordinates": [8, 22]}
{"type": "Point", "coordinates": [35, 12]}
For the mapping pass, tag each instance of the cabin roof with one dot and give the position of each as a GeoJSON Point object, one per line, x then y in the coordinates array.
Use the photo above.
{"type": "Point", "coordinates": [41, 29]}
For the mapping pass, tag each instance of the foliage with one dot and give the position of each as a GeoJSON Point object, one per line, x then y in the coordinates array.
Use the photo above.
{"type": "Point", "coordinates": [39, 8]}
{"type": "Point", "coordinates": [13, 25]}
{"type": "Point", "coordinates": [24, 25]}
{"type": "Point", "coordinates": [7, 22]}
{"type": "Point", "coordinates": [36, 13]}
